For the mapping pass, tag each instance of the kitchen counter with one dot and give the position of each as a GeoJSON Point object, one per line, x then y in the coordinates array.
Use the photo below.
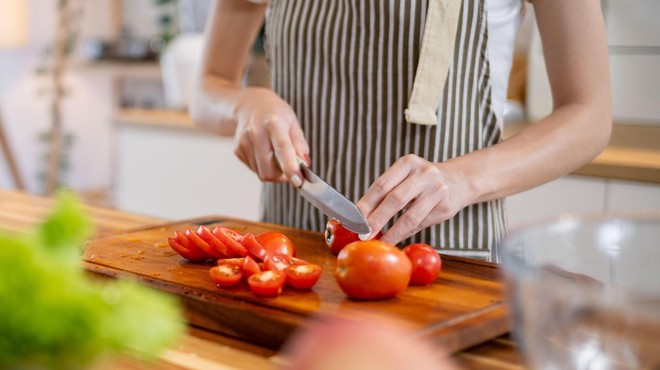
{"type": "Point", "coordinates": [201, 349]}
{"type": "Point", "coordinates": [632, 154]}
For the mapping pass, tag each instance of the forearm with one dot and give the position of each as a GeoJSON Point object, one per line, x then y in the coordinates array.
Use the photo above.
{"type": "Point", "coordinates": [568, 138]}
{"type": "Point", "coordinates": [230, 33]}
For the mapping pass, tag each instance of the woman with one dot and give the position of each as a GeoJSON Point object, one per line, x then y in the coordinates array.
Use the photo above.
{"type": "Point", "coordinates": [345, 76]}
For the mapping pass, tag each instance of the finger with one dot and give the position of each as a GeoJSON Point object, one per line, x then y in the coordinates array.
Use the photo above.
{"type": "Point", "coordinates": [244, 152]}
{"type": "Point", "coordinates": [377, 192]}
{"type": "Point", "coordinates": [414, 219]}
{"type": "Point", "coordinates": [400, 197]}
{"type": "Point", "coordinates": [300, 143]}
{"type": "Point", "coordinates": [263, 152]}
{"type": "Point", "coordinates": [285, 152]}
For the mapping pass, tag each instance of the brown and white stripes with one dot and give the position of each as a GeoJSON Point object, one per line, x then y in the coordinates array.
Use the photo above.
{"type": "Point", "coordinates": [347, 69]}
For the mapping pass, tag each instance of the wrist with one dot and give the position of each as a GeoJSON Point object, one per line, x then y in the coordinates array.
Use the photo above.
{"type": "Point", "coordinates": [472, 180]}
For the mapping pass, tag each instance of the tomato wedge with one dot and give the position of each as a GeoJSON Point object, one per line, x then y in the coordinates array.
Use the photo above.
{"type": "Point", "coordinates": [277, 262]}
{"type": "Point", "coordinates": [213, 241]}
{"type": "Point", "coordinates": [186, 253]}
{"type": "Point", "coordinates": [267, 283]}
{"type": "Point", "coordinates": [249, 267]}
{"type": "Point", "coordinates": [186, 243]}
{"type": "Point", "coordinates": [201, 244]}
{"type": "Point", "coordinates": [302, 276]}
{"type": "Point", "coordinates": [231, 239]}
{"type": "Point", "coordinates": [238, 261]}
{"type": "Point", "coordinates": [226, 275]}
{"type": "Point", "coordinates": [253, 247]}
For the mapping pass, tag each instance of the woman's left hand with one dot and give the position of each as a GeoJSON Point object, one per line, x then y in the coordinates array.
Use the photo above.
{"type": "Point", "coordinates": [429, 193]}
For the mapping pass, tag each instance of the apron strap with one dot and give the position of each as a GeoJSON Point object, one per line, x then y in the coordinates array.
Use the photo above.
{"type": "Point", "coordinates": [434, 59]}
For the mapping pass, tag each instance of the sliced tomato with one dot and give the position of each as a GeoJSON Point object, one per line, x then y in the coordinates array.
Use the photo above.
{"type": "Point", "coordinates": [253, 247]}
{"type": "Point", "coordinates": [249, 267]}
{"type": "Point", "coordinates": [267, 283]}
{"type": "Point", "coordinates": [302, 276]}
{"type": "Point", "coordinates": [232, 239]}
{"type": "Point", "coordinates": [275, 242]}
{"type": "Point", "coordinates": [237, 261]}
{"type": "Point", "coordinates": [201, 244]}
{"type": "Point", "coordinates": [226, 275]}
{"type": "Point", "coordinates": [213, 241]}
{"type": "Point", "coordinates": [277, 262]}
{"type": "Point", "coordinates": [185, 252]}
{"type": "Point", "coordinates": [295, 261]}
{"type": "Point", "coordinates": [186, 243]}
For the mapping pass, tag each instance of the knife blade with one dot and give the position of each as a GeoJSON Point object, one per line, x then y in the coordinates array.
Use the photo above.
{"type": "Point", "coordinates": [332, 203]}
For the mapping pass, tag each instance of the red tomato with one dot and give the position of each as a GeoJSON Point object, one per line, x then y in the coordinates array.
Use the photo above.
{"type": "Point", "coordinates": [226, 275]}
{"type": "Point", "coordinates": [426, 263]}
{"type": "Point", "coordinates": [277, 262]}
{"type": "Point", "coordinates": [302, 276]}
{"type": "Point", "coordinates": [267, 283]}
{"type": "Point", "coordinates": [253, 247]}
{"type": "Point", "coordinates": [201, 244]}
{"type": "Point", "coordinates": [274, 242]}
{"type": "Point", "coordinates": [372, 270]}
{"type": "Point", "coordinates": [249, 267]}
{"type": "Point", "coordinates": [231, 239]}
{"type": "Point", "coordinates": [213, 241]}
{"type": "Point", "coordinates": [337, 236]}
{"type": "Point", "coordinates": [185, 252]}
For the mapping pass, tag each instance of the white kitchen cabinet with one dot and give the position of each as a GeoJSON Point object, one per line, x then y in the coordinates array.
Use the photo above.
{"type": "Point", "coordinates": [581, 195]}
{"type": "Point", "coordinates": [182, 173]}
{"type": "Point", "coordinates": [632, 196]}
{"type": "Point", "coordinates": [568, 195]}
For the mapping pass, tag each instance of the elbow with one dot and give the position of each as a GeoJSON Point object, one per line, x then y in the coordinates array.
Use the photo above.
{"type": "Point", "coordinates": [602, 122]}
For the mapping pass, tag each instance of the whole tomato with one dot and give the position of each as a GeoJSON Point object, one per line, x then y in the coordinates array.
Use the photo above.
{"type": "Point", "coordinates": [426, 263]}
{"type": "Point", "coordinates": [337, 236]}
{"type": "Point", "coordinates": [276, 243]}
{"type": "Point", "coordinates": [372, 270]}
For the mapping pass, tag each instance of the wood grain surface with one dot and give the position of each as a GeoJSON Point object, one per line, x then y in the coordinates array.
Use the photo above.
{"type": "Point", "coordinates": [464, 307]}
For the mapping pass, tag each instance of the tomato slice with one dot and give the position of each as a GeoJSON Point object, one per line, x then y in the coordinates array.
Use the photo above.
{"type": "Point", "coordinates": [231, 239]}
{"type": "Point", "coordinates": [186, 253]}
{"type": "Point", "coordinates": [226, 275]}
{"type": "Point", "coordinates": [249, 267]}
{"type": "Point", "coordinates": [196, 240]}
{"type": "Point", "coordinates": [302, 276]}
{"type": "Point", "coordinates": [182, 239]}
{"type": "Point", "coordinates": [277, 262]}
{"type": "Point", "coordinates": [267, 283]}
{"type": "Point", "coordinates": [275, 242]}
{"type": "Point", "coordinates": [213, 241]}
{"type": "Point", "coordinates": [238, 261]}
{"type": "Point", "coordinates": [253, 246]}
{"type": "Point", "coordinates": [294, 261]}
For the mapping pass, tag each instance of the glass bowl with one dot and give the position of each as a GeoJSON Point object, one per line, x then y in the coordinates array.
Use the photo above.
{"type": "Point", "coordinates": [585, 292]}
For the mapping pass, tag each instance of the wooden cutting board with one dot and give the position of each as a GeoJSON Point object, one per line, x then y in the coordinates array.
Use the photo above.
{"type": "Point", "coordinates": [465, 306]}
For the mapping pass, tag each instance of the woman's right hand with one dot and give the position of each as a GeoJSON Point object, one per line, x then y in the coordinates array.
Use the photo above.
{"type": "Point", "coordinates": [268, 136]}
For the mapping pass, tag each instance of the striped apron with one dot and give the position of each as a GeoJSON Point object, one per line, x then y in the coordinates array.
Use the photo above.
{"type": "Point", "coordinates": [347, 69]}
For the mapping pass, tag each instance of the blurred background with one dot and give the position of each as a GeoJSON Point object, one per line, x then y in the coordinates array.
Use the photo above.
{"type": "Point", "coordinates": [93, 95]}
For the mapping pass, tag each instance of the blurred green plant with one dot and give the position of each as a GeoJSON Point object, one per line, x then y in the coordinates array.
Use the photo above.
{"type": "Point", "coordinates": [167, 19]}
{"type": "Point", "coordinates": [55, 316]}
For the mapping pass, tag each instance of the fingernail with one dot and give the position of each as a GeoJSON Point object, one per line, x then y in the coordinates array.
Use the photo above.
{"type": "Point", "coordinates": [296, 181]}
{"type": "Point", "coordinates": [364, 236]}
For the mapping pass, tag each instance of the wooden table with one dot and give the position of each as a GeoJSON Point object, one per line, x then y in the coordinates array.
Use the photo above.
{"type": "Point", "coordinates": [201, 349]}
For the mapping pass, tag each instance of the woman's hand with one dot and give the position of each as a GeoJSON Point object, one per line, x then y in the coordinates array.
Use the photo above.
{"type": "Point", "coordinates": [429, 193]}
{"type": "Point", "coordinates": [268, 135]}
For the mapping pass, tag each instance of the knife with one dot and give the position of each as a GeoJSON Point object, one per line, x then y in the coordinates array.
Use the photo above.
{"type": "Point", "coordinates": [332, 203]}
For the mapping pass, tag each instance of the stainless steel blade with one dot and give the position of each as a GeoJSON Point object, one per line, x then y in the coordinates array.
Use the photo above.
{"type": "Point", "coordinates": [332, 203]}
